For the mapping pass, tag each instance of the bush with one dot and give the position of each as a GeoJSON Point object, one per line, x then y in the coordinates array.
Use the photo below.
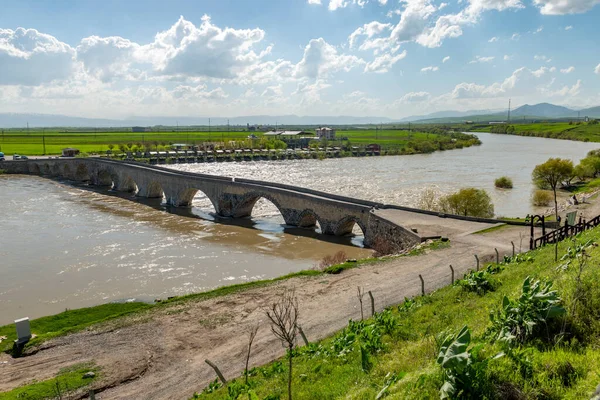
{"type": "Point", "coordinates": [468, 202]}
{"type": "Point", "coordinates": [522, 319]}
{"type": "Point", "coordinates": [541, 198]}
{"type": "Point", "coordinates": [503, 182]}
{"type": "Point", "coordinates": [479, 282]}
{"type": "Point", "coordinates": [464, 371]}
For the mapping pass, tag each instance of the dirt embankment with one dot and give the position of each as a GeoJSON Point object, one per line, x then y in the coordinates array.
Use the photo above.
{"type": "Point", "coordinates": [161, 355]}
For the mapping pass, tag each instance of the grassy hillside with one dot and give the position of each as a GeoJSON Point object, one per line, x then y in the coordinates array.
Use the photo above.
{"type": "Point", "coordinates": [541, 343]}
{"type": "Point", "coordinates": [587, 132]}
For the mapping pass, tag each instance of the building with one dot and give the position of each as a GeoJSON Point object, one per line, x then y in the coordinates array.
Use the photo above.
{"type": "Point", "coordinates": [326, 133]}
{"type": "Point", "coordinates": [139, 129]}
{"type": "Point", "coordinates": [292, 138]}
{"type": "Point", "coordinates": [69, 152]}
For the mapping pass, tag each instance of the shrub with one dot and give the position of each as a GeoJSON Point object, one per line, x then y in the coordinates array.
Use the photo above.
{"type": "Point", "coordinates": [328, 261]}
{"type": "Point", "coordinates": [520, 320]}
{"type": "Point", "coordinates": [430, 199]}
{"type": "Point", "coordinates": [468, 202]}
{"type": "Point", "coordinates": [479, 282]}
{"type": "Point", "coordinates": [503, 182]}
{"type": "Point", "coordinates": [464, 371]}
{"type": "Point", "coordinates": [541, 198]}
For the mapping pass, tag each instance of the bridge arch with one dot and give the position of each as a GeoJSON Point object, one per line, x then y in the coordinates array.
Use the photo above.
{"type": "Point", "coordinates": [54, 170]}
{"type": "Point", "coordinates": [151, 190]}
{"type": "Point", "coordinates": [81, 173]}
{"type": "Point", "coordinates": [311, 220]}
{"type": "Point", "coordinates": [66, 171]}
{"type": "Point", "coordinates": [346, 226]}
{"type": "Point", "coordinates": [243, 207]}
{"type": "Point", "coordinates": [103, 178]}
{"type": "Point", "coordinates": [185, 197]}
{"type": "Point", "coordinates": [124, 183]}
{"type": "Point", "coordinates": [35, 169]}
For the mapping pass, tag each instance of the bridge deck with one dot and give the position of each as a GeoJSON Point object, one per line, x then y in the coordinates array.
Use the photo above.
{"type": "Point", "coordinates": [432, 225]}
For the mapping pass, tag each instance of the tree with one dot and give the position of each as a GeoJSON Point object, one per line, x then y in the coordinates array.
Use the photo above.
{"type": "Point", "coordinates": [283, 315]}
{"type": "Point", "coordinates": [468, 202]}
{"type": "Point", "coordinates": [551, 174]}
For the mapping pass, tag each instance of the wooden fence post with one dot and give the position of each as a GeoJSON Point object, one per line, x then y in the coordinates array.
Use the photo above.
{"type": "Point", "coordinates": [513, 245]}
{"type": "Point", "coordinates": [372, 303]}
{"type": "Point", "coordinates": [217, 371]}
{"type": "Point", "coordinates": [422, 285]}
{"type": "Point", "coordinates": [303, 335]}
{"type": "Point", "coordinates": [452, 271]}
{"type": "Point", "coordinates": [497, 256]}
{"type": "Point", "coordinates": [477, 258]}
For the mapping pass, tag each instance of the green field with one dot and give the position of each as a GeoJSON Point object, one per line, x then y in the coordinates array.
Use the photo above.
{"type": "Point", "coordinates": [34, 142]}
{"type": "Point", "coordinates": [581, 131]}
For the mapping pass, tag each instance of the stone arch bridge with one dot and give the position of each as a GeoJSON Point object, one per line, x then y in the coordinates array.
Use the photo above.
{"type": "Point", "coordinates": [231, 197]}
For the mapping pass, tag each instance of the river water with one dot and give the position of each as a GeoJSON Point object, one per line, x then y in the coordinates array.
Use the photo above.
{"type": "Point", "coordinates": [63, 246]}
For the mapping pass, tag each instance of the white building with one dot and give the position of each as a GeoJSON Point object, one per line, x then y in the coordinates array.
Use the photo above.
{"type": "Point", "coordinates": [326, 133]}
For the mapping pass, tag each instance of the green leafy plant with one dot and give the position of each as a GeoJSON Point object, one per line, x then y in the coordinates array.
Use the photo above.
{"type": "Point", "coordinates": [479, 282]}
{"type": "Point", "coordinates": [519, 320]}
{"type": "Point", "coordinates": [464, 370]}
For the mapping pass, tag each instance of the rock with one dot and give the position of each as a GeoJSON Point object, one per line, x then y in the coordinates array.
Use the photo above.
{"type": "Point", "coordinates": [415, 230]}
{"type": "Point", "coordinates": [444, 239]}
{"type": "Point", "coordinates": [89, 375]}
{"type": "Point", "coordinates": [351, 260]}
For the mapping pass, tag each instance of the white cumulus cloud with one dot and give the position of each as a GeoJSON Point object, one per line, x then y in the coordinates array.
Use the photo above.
{"type": "Point", "coordinates": [567, 70]}
{"type": "Point", "coordinates": [431, 68]}
{"type": "Point", "coordinates": [561, 7]}
{"type": "Point", "coordinates": [383, 63]}
{"type": "Point", "coordinates": [447, 58]}
{"type": "Point", "coordinates": [480, 59]}
{"type": "Point", "coordinates": [321, 59]}
{"type": "Point", "coordinates": [29, 57]}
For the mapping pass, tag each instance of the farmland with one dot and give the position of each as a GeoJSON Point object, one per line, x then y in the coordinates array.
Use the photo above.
{"type": "Point", "coordinates": [52, 142]}
{"type": "Point", "coordinates": [581, 131]}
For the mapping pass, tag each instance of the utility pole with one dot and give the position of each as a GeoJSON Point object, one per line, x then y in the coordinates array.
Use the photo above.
{"type": "Point", "coordinates": [44, 140]}
{"type": "Point", "coordinates": [209, 129]}
{"type": "Point", "coordinates": [509, 110]}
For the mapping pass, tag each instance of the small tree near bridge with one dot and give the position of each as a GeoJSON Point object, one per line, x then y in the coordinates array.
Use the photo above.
{"type": "Point", "coordinates": [468, 202]}
{"type": "Point", "coordinates": [551, 174]}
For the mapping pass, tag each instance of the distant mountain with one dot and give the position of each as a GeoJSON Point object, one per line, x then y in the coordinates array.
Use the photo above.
{"type": "Point", "coordinates": [448, 114]}
{"type": "Point", "coordinates": [14, 120]}
{"type": "Point", "coordinates": [593, 112]}
{"type": "Point", "coordinates": [545, 110]}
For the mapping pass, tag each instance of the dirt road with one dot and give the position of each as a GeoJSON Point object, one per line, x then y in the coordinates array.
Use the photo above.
{"type": "Point", "coordinates": [161, 355]}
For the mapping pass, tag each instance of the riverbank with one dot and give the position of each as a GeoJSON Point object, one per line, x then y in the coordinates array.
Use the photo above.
{"type": "Point", "coordinates": [360, 140]}
{"type": "Point", "coordinates": [578, 131]}
{"type": "Point", "coordinates": [161, 352]}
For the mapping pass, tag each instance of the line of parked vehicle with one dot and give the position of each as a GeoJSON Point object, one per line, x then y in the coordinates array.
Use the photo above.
{"type": "Point", "coordinates": [15, 157]}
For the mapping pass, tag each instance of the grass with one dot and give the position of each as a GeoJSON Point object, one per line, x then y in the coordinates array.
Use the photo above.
{"type": "Point", "coordinates": [405, 366]}
{"type": "Point", "coordinates": [584, 187]}
{"type": "Point", "coordinates": [32, 142]}
{"type": "Point", "coordinates": [71, 321]}
{"type": "Point", "coordinates": [67, 381]}
{"type": "Point", "coordinates": [558, 130]}
{"type": "Point", "coordinates": [491, 229]}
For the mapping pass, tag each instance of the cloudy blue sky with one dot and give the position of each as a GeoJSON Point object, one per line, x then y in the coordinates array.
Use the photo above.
{"type": "Point", "coordinates": [222, 58]}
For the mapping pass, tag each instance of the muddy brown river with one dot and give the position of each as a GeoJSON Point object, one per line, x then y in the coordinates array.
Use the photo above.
{"type": "Point", "coordinates": [63, 246]}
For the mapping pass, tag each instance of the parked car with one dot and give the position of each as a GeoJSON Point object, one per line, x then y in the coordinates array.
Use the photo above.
{"type": "Point", "coordinates": [2, 156]}
{"type": "Point", "coordinates": [16, 157]}
{"type": "Point", "coordinates": [24, 158]}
